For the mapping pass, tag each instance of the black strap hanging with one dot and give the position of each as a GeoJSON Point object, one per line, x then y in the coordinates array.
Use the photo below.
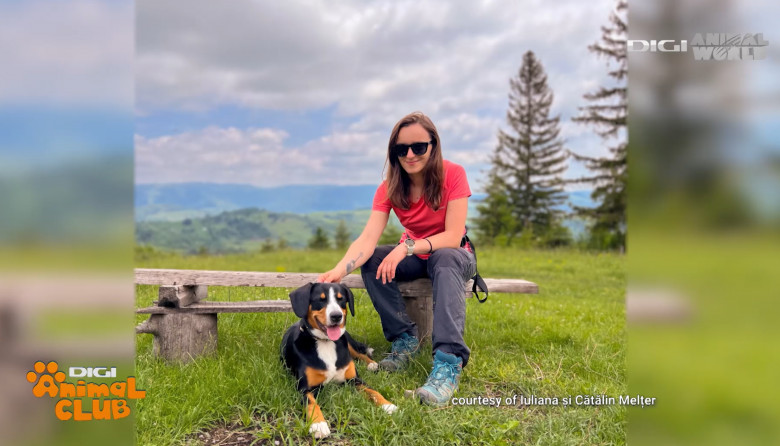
{"type": "Point", "coordinates": [479, 282]}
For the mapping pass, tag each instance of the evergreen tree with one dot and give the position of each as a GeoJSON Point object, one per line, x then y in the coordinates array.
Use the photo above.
{"type": "Point", "coordinates": [342, 238]}
{"type": "Point", "coordinates": [527, 163]}
{"type": "Point", "coordinates": [608, 114]}
{"type": "Point", "coordinates": [494, 219]}
{"type": "Point", "coordinates": [319, 240]}
{"type": "Point", "coordinates": [267, 246]}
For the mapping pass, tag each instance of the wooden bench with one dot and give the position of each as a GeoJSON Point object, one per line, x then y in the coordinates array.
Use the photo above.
{"type": "Point", "coordinates": [184, 324]}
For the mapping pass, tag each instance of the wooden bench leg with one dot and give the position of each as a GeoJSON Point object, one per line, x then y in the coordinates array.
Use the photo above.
{"type": "Point", "coordinates": [181, 337]}
{"type": "Point", "coordinates": [420, 311]}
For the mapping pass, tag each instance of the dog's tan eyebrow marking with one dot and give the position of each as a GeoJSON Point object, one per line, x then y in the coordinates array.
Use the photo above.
{"type": "Point", "coordinates": [322, 296]}
{"type": "Point", "coordinates": [339, 295]}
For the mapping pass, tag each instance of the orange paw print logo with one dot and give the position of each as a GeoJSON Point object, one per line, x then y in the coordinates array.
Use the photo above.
{"type": "Point", "coordinates": [47, 377]}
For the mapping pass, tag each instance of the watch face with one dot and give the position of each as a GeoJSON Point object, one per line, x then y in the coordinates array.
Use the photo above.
{"type": "Point", "coordinates": [409, 242]}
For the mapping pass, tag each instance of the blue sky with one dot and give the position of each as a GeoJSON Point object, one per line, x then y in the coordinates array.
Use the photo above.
{"type": "Point", "coordinates": [66, 83]}
{"type": "Point", "coordinates": [306, 92]}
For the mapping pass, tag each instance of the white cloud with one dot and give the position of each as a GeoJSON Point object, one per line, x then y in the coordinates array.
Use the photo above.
{"type": "Point", "coordinates": [374, 61]}
{"type": "Point", "coordinates": [260, 156]}
{"type": "Point", "coordinates": [375, 58]}
{"type": "Point", "coordinates": [78, 52]}
{"type": "Point", "coordinates": [220, 155]}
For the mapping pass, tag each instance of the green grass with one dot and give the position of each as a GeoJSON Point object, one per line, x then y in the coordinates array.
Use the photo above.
{"type": "Point", "coordinates": [716, 374]}
{"type": "Point", "coordinates": [567, 340]}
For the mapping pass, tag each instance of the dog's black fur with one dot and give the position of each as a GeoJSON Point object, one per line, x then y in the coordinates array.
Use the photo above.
{"type": "Point", "coordinates": [317, 349]}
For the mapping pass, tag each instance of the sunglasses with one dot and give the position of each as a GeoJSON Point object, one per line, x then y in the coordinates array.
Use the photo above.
{"type": "Point", "coordinates": [418, 148]}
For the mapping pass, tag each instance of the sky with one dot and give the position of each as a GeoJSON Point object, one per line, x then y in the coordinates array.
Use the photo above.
{"type": "Point", "coordinates": [66, 83]}
{"type": "Point", "coordinates": [307, 92]}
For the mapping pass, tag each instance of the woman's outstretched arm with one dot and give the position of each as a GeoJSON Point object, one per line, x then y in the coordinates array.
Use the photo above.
{"type": "Point", "coordinates": [360, 250]}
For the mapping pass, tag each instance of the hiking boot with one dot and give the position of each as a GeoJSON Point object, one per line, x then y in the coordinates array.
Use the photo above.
{"type": "Point", "coordinates": [404, 347]}
{"type": "Point", "coordinates": [443, 380]}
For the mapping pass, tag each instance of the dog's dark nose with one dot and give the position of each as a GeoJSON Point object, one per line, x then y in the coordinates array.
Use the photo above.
{"type": "Point", "coordinates": [335, 318]}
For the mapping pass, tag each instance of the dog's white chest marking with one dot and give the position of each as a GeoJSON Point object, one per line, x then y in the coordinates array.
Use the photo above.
{"type": "Point", "coordinates": [326, 350]}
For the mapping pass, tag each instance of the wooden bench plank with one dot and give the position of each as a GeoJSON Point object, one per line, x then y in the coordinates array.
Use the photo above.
{"type": "Point", "coordinates": [145, 276]}
{"type": "Point", "coordinates": [251, 306]}
{"type": "Point", "coordinates": [183, 333]}
{"type": "Point", "coordinates": [181, 295]}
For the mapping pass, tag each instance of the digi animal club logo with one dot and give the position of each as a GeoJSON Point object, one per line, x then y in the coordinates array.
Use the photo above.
{"type": "Point", "coordinates": [84, 401]}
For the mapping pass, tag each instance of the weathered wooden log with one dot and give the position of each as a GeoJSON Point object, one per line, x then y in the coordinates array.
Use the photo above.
{"type": "Point", "coordinates": [181, 295]}
{"type": "Point", "coordinates": [144, 276]}
{"type": "Point", "coordinates": [420, 311]}
{"type": "Point", "coordinates": [181, 337]}
{"type": "Point", "coordinates": [185, 327]}
{"type": "Point", "coordinates": [249, 306]}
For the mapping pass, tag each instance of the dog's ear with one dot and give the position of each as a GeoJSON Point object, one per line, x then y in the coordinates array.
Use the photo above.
{"type": "Point", "coordinates": [350, 298]}
{"type": "Point", "coordinates": [300, 300]}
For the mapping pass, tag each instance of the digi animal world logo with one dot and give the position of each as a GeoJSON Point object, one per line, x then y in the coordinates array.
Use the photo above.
{"type": "Point", "coordinates": [84, 401]}
{"type": "Point", "coordinates": [709, 46]}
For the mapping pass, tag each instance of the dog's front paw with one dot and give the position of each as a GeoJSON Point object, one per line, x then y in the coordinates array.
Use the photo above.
{"type": "Point", "coordinates": [370, 352]}
{"type": "Point", "coordinates": [374, 366]}
{"type": "Point", "coordinates": [389, 408]}
{"type": "Point", "coordinates": [320, 430]}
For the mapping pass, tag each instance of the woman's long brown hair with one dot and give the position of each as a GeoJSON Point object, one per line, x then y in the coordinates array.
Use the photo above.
{"type": "Point", "coordinates": [398, 181]}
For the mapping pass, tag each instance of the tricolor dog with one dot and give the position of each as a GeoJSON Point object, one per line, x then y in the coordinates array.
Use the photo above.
{"type": "Point", "coordinates": [318, 350]}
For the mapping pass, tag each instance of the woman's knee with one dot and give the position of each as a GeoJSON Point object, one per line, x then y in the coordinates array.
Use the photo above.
{"type": "Point", "coordinates": [446, 258]}
{"type": "Point", "coordinates": [451, 258]}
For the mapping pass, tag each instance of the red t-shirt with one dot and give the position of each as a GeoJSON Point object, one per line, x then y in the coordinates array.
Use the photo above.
{"type": "Point", "coordinates": [420, 220]}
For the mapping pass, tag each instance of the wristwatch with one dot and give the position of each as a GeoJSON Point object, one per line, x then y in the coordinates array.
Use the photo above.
{"type": "Point", "coordinates": [409, 246]}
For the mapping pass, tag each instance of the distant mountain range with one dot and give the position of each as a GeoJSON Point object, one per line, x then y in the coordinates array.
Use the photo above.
{"type": "Point", "coordinates": [176, 202]}
{"type": "Point", "coordinates": [245, 230]}
{"type": "Point", "coordinates": [218, 218]}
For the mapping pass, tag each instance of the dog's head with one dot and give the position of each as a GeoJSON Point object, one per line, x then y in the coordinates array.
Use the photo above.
{"type": "Point", "coordinates": [323, 306]}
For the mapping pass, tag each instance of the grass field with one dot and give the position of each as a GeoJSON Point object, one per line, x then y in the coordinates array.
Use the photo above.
{"type": "Point", "coordinates": [568, 340]}
{"type": "Point", "coordinates": [716, 374]}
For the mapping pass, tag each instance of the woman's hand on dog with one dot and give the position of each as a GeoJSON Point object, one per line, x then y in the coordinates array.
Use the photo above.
{"type": "Point", "coordinates": [332, 276]}
{"type": "Point", "coordinates": [387, 268]}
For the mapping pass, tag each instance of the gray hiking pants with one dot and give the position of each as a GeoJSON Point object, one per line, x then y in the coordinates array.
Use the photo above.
{"type": "Point", "coordinates": [449, 270]}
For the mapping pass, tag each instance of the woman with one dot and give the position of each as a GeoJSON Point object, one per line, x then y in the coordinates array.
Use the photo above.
{"type": "Point", "coordinates": [430, 197]}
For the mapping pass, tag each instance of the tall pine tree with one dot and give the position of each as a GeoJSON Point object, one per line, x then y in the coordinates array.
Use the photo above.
{"type": "Point", "coordinates": [524, 185]}
{"type": "Point", "coordinates": [608, 114]}
{"type": "Point", "coordinates": [494, 219]}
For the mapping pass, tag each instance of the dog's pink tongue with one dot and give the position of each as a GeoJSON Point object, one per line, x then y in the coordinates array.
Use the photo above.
{"type": "Point", "coordinates": [334, 333]}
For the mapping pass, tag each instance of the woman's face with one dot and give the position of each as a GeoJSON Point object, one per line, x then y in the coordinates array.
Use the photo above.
{"type": "Point", "coordinates": [411, 163]}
